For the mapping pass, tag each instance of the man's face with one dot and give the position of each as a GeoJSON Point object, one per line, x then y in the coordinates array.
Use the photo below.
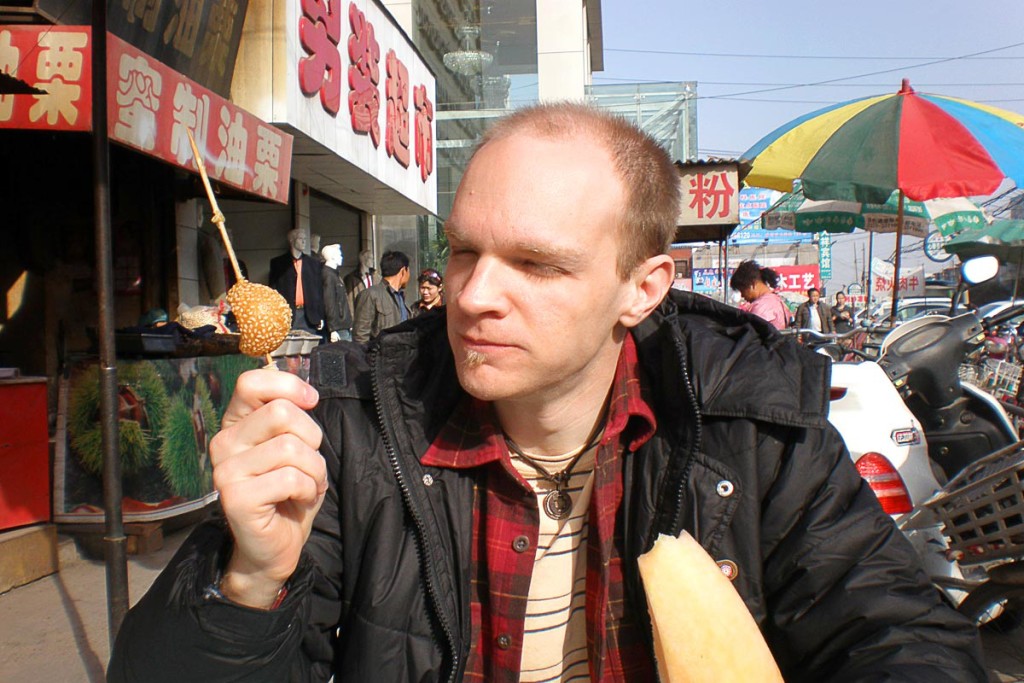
{"type": "Point", "coordinates": [299, 241]}
{"type": "Point", "coordinates": [366, 259]}
{"type": "Point", "coordinates": [534, 297]}
{"type": "Point", "coordinates": [814, 295]}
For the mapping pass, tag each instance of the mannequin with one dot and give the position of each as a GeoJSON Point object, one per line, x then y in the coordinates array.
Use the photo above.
{"type": "Point", "coordinates": [360, 279]}
{"type": "Point", "coordinates": [307, 313]}
{"type": "Point", "coordinates": [336, 308]}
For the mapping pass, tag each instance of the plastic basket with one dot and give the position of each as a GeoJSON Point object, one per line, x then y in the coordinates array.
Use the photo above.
{"type": "Point", "coordinates": [982, 508]}
{"type": "Point", "coordinates": [998, 377]}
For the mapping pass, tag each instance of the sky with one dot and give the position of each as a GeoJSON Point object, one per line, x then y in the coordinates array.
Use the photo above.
{"type": "Point", "coordinates": [787, 49]}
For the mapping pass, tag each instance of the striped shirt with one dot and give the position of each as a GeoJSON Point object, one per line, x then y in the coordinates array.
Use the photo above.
{"type": "Point", "coordinates": [555, 634]}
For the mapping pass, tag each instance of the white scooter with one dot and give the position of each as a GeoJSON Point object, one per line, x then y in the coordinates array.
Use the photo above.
{"type": "Point", "coordinates": [911, 424]}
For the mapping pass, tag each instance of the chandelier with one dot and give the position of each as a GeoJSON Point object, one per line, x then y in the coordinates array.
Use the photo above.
{"type": "Point", "coordinates": [468, 61]}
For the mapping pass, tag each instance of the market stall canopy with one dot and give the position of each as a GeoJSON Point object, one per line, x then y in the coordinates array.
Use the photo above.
{"type": "Point", "coordinates": [1001, 238]}
{"type": "Point", "coordinates": [926, 145]}
{"type": "Point", "coordinates": [795, 212]}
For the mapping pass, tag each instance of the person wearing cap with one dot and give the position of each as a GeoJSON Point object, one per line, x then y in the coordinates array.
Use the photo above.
{"type": "Point", "coordinates": [431, 292]}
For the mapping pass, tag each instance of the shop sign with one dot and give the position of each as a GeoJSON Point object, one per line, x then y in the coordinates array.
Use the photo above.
{"type": "Point", "coordinates": [754, 201]}
{"type": "Point", "coordinates": [798, 279]}
{"type": "Point", "coordinates": [57, 59]}
{"type": "Point", "coordinates": [149, 107]}
{"type": "Point", "coordinates": [707, 280]}
{"type": "Point", "coordinates": [372, 94]}
{"type": "Point", "coordinates": [198, 38]}
{"type": "Point", "coordinates": [825, 255]}
{"type": "Point", "coordinates": [911, 281]}
{"type": "Point", "coordinates": [709, 194]}
{"type": "Point", "coordinates": [935, 246]}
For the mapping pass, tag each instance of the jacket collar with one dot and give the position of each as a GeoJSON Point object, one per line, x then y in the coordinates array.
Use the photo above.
{"type": "Point", "coordinates": [739, 366]}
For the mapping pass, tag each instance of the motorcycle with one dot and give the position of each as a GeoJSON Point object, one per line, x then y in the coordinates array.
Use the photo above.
{"type": "Point", "coordinates": [912, 426]}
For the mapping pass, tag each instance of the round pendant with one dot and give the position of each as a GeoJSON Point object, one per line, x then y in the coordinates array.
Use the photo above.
{"type": "Point", "coordinates": [557, 504]}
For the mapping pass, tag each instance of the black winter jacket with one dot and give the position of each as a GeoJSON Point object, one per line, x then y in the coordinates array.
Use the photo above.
{"type": "Point", "coordinates": [382, 591]}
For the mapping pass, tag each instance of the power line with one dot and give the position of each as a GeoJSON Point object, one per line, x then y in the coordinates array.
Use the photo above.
{"type": "Point", "coordinates": [740, 55]}
{"type": "Point", "coordinates": [864, 75]}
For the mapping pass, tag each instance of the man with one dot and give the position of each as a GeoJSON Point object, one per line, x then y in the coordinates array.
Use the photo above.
{"type": "Point", "coordinates": [361, 278]}
{"type": "Point", "coordinates": [383, 305]}
{"type": "Point", "coordinates": [296, 275]}
{"type": "Point", "coordinates": [338, 315]}
{"type": "Point", "coordinates": [522, 449]}
{"type": "Point", "coordinates": [814, 314]}
{"type": "Point", "coordinates": [842, 314]}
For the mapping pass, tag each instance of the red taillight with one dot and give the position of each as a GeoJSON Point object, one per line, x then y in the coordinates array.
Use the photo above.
{"type": "Point", "coordinates": [836, 393]}
{"type": "Point", "coordinates": [886, 482]}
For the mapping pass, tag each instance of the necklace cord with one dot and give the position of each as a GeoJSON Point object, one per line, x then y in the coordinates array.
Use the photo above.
{"type": "Point", "coordinates": [561, 479]}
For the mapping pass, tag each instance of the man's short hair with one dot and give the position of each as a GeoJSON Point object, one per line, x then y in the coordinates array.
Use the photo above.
{"type": "Point", "coordinates": [651, 180]}
{"type": "Point", "coordinates": [812, 289]}
{"type": "Point", "coordinates": [391, 262]}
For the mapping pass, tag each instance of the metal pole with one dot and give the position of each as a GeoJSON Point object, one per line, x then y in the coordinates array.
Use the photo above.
{"type": "Point", "coordinates": [871, 258]}
{"type": "Point", "coordinates": [896, 261]}
{"type": "Point", "coordinates": [114, 541]}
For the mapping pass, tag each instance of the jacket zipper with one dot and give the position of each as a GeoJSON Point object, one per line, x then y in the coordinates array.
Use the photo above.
{"type": "Point", "coordinates": [418, 524]}
{"type": "Point", "coordinates": [691, 395]}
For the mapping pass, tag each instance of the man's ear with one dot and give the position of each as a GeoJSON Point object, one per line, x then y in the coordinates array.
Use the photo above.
{"type": "Point", "coordinates": [651, 281]}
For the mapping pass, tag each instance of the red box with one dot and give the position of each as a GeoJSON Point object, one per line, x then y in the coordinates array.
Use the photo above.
{"type": "Point", "coordinates": [24, 453]}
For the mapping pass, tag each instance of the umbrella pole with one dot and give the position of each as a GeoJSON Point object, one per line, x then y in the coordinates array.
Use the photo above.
{"type": "Point", "coordinates": [871, 258]}
{"type": "Point", "coordinates": [896, 262]}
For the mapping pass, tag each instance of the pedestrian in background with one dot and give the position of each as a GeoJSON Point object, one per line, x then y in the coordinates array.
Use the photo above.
{"type": "Point", "coordinates": [383, 305]}
{"type": "Point", "coordinates": [842, 314]}
{"type": "Point", "coordinates": [757, 286]}
{"type": "Point", "coordinates": [814, 314]}
{"type": "Point", "coordinates": [431, 292]}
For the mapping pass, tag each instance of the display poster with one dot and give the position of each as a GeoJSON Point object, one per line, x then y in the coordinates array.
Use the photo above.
{"type": "Point", "coordinates": [168, 410]}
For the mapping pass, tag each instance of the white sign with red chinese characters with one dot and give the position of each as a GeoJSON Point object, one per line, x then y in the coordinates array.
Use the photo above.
{"type": "Point", "coordinates": [912, 280]}
{"type": "Point", "coordinates": [709, 195]}
{"type": "Point", "coordinates": [149, 106]}
{"type": "Point", "coordinates": [361, 90]}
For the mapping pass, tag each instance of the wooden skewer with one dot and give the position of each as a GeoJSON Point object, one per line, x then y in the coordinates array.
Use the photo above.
{"type": "Point", "coordinates": [218, 220]}
{"type": "Point", "coordinates": [218, 217]}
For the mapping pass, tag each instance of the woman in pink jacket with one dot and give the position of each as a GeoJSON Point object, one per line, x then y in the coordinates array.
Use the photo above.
{"type": "Point", "coordinates": [757, 287]}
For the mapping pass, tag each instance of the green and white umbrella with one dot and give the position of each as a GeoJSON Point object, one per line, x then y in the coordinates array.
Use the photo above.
{"type": "Point", "coordinates": [1001, 238]}
{"type": "Point", "coordinates": [950, 216]}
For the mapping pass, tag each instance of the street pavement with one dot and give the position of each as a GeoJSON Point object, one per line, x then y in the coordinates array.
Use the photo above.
{"type": "Point", "coordinates": [55, 629]}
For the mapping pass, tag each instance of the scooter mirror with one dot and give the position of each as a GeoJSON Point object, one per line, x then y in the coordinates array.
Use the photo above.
{"type": "Point", "coordinates": [979, 269]}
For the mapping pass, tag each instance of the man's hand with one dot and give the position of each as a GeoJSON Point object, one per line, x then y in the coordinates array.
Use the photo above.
{"type": "Point", "coordinates": [335, 336]}
{"type": "Point", "coordinates": [271, 481]}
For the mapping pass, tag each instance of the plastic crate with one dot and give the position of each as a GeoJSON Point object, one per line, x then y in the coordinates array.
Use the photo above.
{"type": "Point", "coordinates": [982, 508]}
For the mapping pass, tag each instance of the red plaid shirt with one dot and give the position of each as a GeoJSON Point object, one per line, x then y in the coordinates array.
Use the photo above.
{"type": "Point", "coordinates": [505, 509]}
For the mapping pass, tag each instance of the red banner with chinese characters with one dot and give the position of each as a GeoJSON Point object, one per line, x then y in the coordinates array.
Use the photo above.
{"type": "Point", "coordinates": [149, 107]}
{"type": "Point", "coordinates": [56, 59]}
{"type": "Point", "coordinates": [798, 279]}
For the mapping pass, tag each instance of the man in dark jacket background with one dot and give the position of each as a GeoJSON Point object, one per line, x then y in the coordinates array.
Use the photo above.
{"type": "Point", "coordinates": [815, 314]}
{"type": "Point", "coordinates": [383, 304]}
{"type": "Point", "coordinates": [394, 534]}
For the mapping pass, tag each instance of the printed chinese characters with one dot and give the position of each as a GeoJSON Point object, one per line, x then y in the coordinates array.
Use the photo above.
{"type": "Point", "coordinates": [363, 75]}
{"type": "Point", "coordinates": [424, 132]}
{"type": "Point", "coordinates": [397, 140]}
{"type": "Point", "coordinates": [319, 33]}
{"type": "Point", "coordinates": [59, 68]}
{"type": "Point", "coordinates": [711, 195]}
{"type": "Point", "coordinates": [138, 101]}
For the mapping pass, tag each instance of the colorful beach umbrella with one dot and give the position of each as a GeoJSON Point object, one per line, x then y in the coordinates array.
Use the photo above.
{"type": "Point", "coordinates": [863, 150]}
{"type": "Point", "coordinates": [795, 212]}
